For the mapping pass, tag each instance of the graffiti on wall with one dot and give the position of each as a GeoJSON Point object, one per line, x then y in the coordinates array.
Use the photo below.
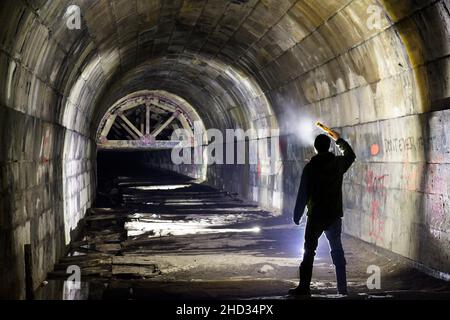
{"type": "Point", "coordinates": [411, 143]}
{"type": "Point", "coordinates": [375, 186]}
{"type": "Point", "coordinates": [374, 149]}
{"type": "Point", "coordinates": [375, 183]}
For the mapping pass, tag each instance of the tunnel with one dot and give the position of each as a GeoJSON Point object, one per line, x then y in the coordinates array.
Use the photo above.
{"type": "Point", "coordinates": [92, 92]}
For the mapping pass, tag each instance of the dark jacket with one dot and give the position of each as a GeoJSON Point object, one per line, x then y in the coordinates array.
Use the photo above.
{"type": "Point", "coordinates": [321, 185]}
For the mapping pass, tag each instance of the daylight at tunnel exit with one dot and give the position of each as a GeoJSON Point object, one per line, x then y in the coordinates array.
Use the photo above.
{"type": "Point", "coordinates": [267, 153]}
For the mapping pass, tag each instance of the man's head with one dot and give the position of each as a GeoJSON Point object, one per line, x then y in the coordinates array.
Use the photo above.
{"type": "Point", "coordinates": [322, 143]}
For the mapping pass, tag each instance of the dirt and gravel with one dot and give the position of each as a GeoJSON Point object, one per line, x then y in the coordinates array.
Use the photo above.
{"type": "Point", "coordinates": [168, 237]}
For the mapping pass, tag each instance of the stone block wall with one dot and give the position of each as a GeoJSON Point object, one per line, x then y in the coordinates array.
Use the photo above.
{"type": "Point", "coordinates": [46, 159]}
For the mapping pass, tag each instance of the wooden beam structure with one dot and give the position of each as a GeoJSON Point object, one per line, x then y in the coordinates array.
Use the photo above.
{"type": "Point", "coordinates": [141, 145]}
{"type": "Point", "coordinates": [131, 126]}
{"type": "Point", "coordinates": [147, 119]}
{"type": "Point", "coordinates": [158, 130]}
{"type": "Point", "coordinates": [139, 123]}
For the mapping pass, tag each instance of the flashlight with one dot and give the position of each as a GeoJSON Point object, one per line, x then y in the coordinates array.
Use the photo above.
{"type": "Point", "coordinates": [325, 129]}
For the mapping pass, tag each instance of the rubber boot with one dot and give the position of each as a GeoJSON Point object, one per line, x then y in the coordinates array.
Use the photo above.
{"type": "Point", "coordinates": [303, 288]}
{"type": "Point", "coordinates": [341, 279]}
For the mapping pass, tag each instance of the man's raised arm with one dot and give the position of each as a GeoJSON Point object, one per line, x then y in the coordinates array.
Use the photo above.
{"type": "Point", "coordinates": [348, 156]}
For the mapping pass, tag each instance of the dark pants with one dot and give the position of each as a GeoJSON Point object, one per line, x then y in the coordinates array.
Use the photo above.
{"type": "Point", "coordinates": [314, 230]}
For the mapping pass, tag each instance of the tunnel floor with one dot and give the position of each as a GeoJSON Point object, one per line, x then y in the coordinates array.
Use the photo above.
{"type": "Point", "coordinates": [167, 237]}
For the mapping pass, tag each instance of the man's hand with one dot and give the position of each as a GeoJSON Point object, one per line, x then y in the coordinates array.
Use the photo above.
{"type": "Point", "coordinates": [335, 135]}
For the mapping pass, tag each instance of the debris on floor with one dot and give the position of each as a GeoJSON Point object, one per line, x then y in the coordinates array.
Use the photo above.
{"type": "Point", "coordinates": [172, 238]}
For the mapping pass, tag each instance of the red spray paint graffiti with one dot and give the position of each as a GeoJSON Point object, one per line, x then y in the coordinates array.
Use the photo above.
{"type": "Point", "coordinates": [375, 183]}
{"type": "Point", "coordinates": [374, 149]}
{"type": "Point", "coordinates": [375, 186]}
{"type": "Point", "coordinates": [377, 226]}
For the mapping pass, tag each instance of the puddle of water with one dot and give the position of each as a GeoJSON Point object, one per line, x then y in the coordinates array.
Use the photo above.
{"type": "Point", "coordinates": [183, 203]}
{"type": "Point", "coordinates": [157, 226]}
{"type": "Point", "coordinates": [162, 187]}
{"type": "Point", "coordinates": [160, 229]}
{"type": "Point", "coordinates": [77, 253]}
{"type": "Point", "coordinates": [329, 296]}
{"type": "Point", "coordinates": [69, 290]}
{"type": "Point", "coordinates": [376, 296]}
{"type": "Point", "coordinates": [75, 290]}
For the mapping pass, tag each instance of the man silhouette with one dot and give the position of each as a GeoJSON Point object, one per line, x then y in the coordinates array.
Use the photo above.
{"type": "Point", "coordinates": [321, 192]}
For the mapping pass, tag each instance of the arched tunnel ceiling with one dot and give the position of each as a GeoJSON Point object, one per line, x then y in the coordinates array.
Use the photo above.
{"type": "Point", "coordinates": [326, 47]}
{"type": "Point", "coordinates": [225, 97]}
